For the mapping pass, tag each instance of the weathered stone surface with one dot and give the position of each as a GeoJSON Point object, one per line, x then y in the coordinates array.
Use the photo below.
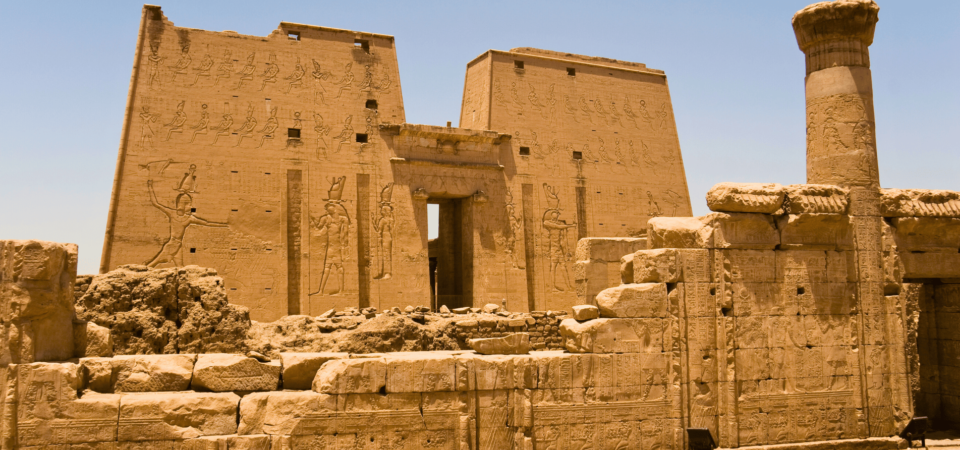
{"type": "Point", "coordinates": [90, 339]}
{"type": "Point", "coordinates": [930, 265]}
{"type": "Point", "coordinates": [745, 197]}
{"type": "Point", "coordinates": [626, 268]}
{"type": "Point", "coordinates": [151, 311]}
{"type": "Point", "coordinates": [351, 376]}
{"type": "Point", "coordinates": [226, 372]}
{"type": "Point", "coordinates": [152, 373]}
{"type": "Point", "coordinates": [281, 413]}
{"type": "Point", "coordinates": [208, 323]}
{"type": "Point", "coordinates": [585, 312]}
{"type": "Point", "coordinates": [177, 415]}
{"type": "Point", "coordinates": [49, 411]}
{"type": "Point", "coordinates": [926, 234]}
{"type": "Point", "coordinates": [513, 344]}
{"type": "Point", "coordinates": [36, 301]}
{"type": "Point", "coordinates": [634, 300]}
{"type": "Point", "coordinates": [816, 199]}
{"type": "Point", "coordinates": [607, 249]}
{"type": "Point", "coordinates": [420, 372]}
{"type": "Point", "coordinates": [716, 230]}
{"type": "Point", "coordinates": [352, 334]}
{"type": "Point", "coordinates": [299, 369]}
{"type": "Point", "coordinates": [656, 266]}
{"type": "Point", "coordinates": [816, 231]}
{"type": "Point", "coordinates": [919, 203]}
{"type": "Point", "coordinates": [612, 335]}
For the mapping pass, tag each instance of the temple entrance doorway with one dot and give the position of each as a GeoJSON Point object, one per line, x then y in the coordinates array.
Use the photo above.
{"type": "Point", "coordinates": [450, 264]}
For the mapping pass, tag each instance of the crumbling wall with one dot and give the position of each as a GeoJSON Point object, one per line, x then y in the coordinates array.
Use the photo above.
{"type": "Point", "coordinates": [181, 310]}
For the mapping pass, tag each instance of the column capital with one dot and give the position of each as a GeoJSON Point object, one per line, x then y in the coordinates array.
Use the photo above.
{"type": "Point", "coordinates": [836, 33]}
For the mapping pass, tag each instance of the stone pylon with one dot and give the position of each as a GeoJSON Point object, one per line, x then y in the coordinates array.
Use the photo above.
{"type": "Point", "coordinates": [841, 140]}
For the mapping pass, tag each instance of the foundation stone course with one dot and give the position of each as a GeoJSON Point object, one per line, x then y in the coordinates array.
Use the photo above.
{"type": "Point", "coordinates": [226, 372]}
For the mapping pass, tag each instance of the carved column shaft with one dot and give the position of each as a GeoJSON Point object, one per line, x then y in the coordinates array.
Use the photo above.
{"type": "Point", "coordinates": [841, 140]}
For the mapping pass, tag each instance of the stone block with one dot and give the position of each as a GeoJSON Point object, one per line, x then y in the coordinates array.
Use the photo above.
{"type": "Point", "coordinates": [159, 416]}
{"type": "Point", "coordinates": [612, 335]}
{"type": "Point", "coordinates": [919, 203]}
{"type": "Point", "coordinates": [656, 266]}
{"type": "Point", "coordinates": [930, 265]}
{"type": "Point", "coordinates": [36, 287]}
{"type": "Point", "coordinates": [607, 249]}
{"type": "Point", "coordinates": [634, 300]}
{"type": "Point", "coordinates": [90, 339]}
{"type": "Point", "coordinates": [299, 369]}
{"type": "Point", "coordinates": [351, 376]}
{"type": "Point", "coordinates": [152, 373]}
{"type": "Point", "coordinates": [816, 231]}
{"type": "Point", "coordinates": [287, 413]}
{"type": "Point", "coordinates": [927, 234]}
{"type": "Point", "coordinates": [585, 312]}
{"type": "Point", "coordinates": [745, 197]}
{"type": "Point", "coordinates": [816, 199]}
{"type": "Point", "coordinates": [512, 344]}
{"type": "Point", "coordinates": [48, 410]}
{"type": "Point", "coordinates": [626, 269]}
{"type": "Point", "coordinates": [225, 372]}
{"type": "Point", "coordinates": [420, 372]}
{"type": "Point", "coordinates": [717, 230]}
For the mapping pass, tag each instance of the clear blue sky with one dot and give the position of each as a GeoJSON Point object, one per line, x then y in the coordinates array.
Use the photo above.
{"type": "Point", "coordinates": [735, 74]}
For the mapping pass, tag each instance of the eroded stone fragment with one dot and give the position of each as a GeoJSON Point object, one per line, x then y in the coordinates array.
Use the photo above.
{"type": "Point", "coordinates": [152, 373]}
{"type": "Point", "coordinates": [351, 376]}
{"type": "Point", "coordinates": [583, 313]}
{"type": "Point", "coordinates": [91, 339]}
{"type": "Point", "coordinates": [816, 231]}
{"type": "Point", "coordinates": [514, 344]}
{"type": "Point", "coordinates": [226, 372]}
{"type": "Point", "coordinates": [656, 266]}
{"type": "Point", "coordinates": [919, 203]}
{"type": "Point", "coordinates": [613, 335]}
{"type": "Point", "coordinates": [281, 413]}
{"type": "Point", "coordinates": [36, 301]}
{"type": "Point", "coordinates": [177, 415]}
{"type": "Point", "coordinates": [745, 197]}
{"type": "Point", "coordinates": [716, 230]}
{"type": "Point", "coordinates": [49, 412]}
{"type": "Point", "coordinates": [634, 300]}
{"type": "Point", "coordinates": [816, 199]}
{"type": "Point", "coordinates": [299, 369]}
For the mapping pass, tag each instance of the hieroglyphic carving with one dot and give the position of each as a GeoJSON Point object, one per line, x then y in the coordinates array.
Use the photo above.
{"type": "Point", "coordinates": [202, 127]}
{"type": "Point", "coordinates": [269, 74]}
{"type": "Point", "coordinates": [147, 119]}
{"type": "Point", "coordinates": [153, 67]}
{"type": "Point", "coordinates": [345, 83]}
{"type": "Point", "coordinates": [203, 70]}
{"type": "Point", "coordinates": [319, 75]}
{"type": "Point", "coordinates": [322, 130]}
{"type": "Point", "coordinates": [515, 226]}
{"type": "Point", "coordinates": [295, 79]}
{"type": "Point", "coordinates": [176, 124]}
{"type": "Point", "coordinates": [182, 64]}
{"type": "Point", "coordinates": [225, 68]}
{"type": "Point", "coordinates": [269, 127]}
{"type": "Point", "coordinates": [333, 229]}
{"type": "Point", "coordinates": [246, 72]}
{"type": "Point", "coordinates": [180, 217]}
{"type": "Point", "coordinates": [384, 228]}
{"type": "Point", "coordinates": [556, 229]}
{"type": "Point", "coordinates": [346, 134]}
{"type": "Point", "coordinates": [226, 122]}
{"type": "Point", "coordinates": [294, 239]}
{"type": "Point", "coordinates": [246, 129]}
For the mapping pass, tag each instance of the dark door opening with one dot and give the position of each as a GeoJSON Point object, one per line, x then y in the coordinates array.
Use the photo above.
{"type": "Point", "coordinates": [937, 341]}
{"type": "Point", "coordinates": [450, 264]}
